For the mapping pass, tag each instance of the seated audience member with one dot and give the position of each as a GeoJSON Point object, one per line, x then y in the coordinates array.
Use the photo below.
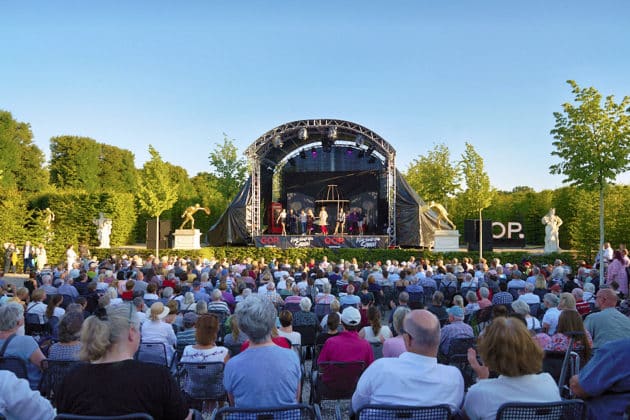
{"type": "Point", "coordinates": [437, 306]}
{"type": "Point", "coordinates": [350, 299]}
{"type": "Point", "coordinates": [569, 322]}
{"type": "Point", "coordinates": [37, 305]}
{"type": "Point", "coordinates": [503, 297]}
{"type": "Point", "coordinates": [69, 344]}
{"type": "Point", "coordinates": [456, 328]}
{"type": "Point", "coordinates": [484, 302]}
{"type": "Point", "coordinates": [18, 401]}
{"type": "Point", "coordinates": [522, 308]}
{"type": "Point", "coordinates": [22, 346]}
{"type": "Point", "coordinates": [550, 319]}
{"type": "Point", "coordinates": [375, 332]}
{"type": "Point", "coordinates": [265, 375]}
{"type": "Point", "coordinates": [609, 324]}
{"type": "Point", "coordinates": [286, 329]}
{"type": "Point", "coordinates": [529, 297]}
{"type": "Point", "coordinates": [304, 317]}
{"type": "Point", "coordinates": [138, 303]}
{"type": "Point", "coordinates": [325, 297]}
{"type": "Point", "coordinates": [236, 336]}
{"type": "Point", "coordinates": [189, 303]}
{"type": "Point", "coordinates": [604, 383]}
{"type": "Point", "coordinates": [332, 324]}
{"type": "Point", "coordinates": [186, 336]}
{"type": "Point", "coordinates": [566, 302]}
{"type": "Point", "coordinates": [395, 346]}
{"type": "Point", "coordinates": [415, 369]}
{"type": "Point", "coordinates": [155, 330]}
{"type": "Point", "coordinates": [201, 308]}
{"type": "Point", "coordinates": [519, 380]}
{"type": "Point", "coordinates": [110, 340]}
{"type": "Point", "coordinates": [217, 304]}
{"type": "Point", "coordinates": [128, 293]}
{"type": "Point", "coordinates": [582, 306]}
{"type": "Point", "coordinates": [53, 308]}
{"type": "Point", "coordinates": [205, 349]}
{"type": "Point", "coordinates": [347, 346]}
{"type": "Point", "coordinates": [334, 308]}
{"type": "Point", "coordinates": [473, 305]}
{"type": "Point", "coordinates": [589, 293]}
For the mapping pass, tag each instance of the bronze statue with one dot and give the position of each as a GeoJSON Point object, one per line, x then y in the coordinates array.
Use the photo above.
{"type": "Point", "coordinates": [441, 213]}
{"type": "Point", "coordinates": [188, 215]}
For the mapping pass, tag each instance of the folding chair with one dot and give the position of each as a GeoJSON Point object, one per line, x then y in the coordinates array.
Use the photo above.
{"type": "Point", "coordinates": [321, 310]}
{"type": "Point", "coordinates": [458, 357]}
{"type": "Point", "coordinates": [292, 307]}
{"type": "Point", "coordinates": [428, 295]}
{"type": "Point", "coordinates": [34, 326]}
{"type": "Point", "coordinates": [201, 382]}
{"type": "Point", "coordinates": [391, 412]}
{"type": "Point", "coordinates": [152, 353]}
{"type": "Point", "coordinates": [289, 412]}
{"type": "Point", "coordinates": [15, 365]}
{"type": "Point", "coordinates": [416, 300]}
{"type": "Point", "coordinates": [53, 373]}
{"type": "Point", "coordinates": [561, 410]}
{"type": "Point", "coordinates": [377, 349]}
{"type": "Point", "coordinates": [335, 380]}
{"type": "Point", "coordinates": [133, 416]}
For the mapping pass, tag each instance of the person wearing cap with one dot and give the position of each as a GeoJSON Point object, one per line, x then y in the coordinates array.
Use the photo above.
{"type": "Point", "coordinates": [455, 329]}
{"type": "Point", "coordinates": [155, 330]}
{"type": "Point", "coordinates": [347, 346]}
{"type": "Point", "coordinates": [265, 375]}
{"type": "Point", "coordinates": [416, 369]}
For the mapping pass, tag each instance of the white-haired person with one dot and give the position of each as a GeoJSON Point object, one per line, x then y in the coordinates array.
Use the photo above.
{"type": "Point", "coordinates": [304, 317]}
{"type": "Point", "coordinates": [155, 330]}
{"type": "Point", "coordinates": [22, 346]}
{"type": "Point", "coordinates": [247, 377]}
{"type": "Point", "coordinates": [110, 340]}
{"type": "Point", "coordinates": [522, 308]}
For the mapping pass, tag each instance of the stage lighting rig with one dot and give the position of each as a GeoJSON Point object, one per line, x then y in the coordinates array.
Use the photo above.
{"type": "Point", "coordinates": [303, 133]}
{"type": "Point", "coordinates": [277, 141]}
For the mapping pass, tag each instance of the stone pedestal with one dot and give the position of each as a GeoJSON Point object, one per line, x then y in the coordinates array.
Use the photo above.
{"type": "Point", "coordinates": [187, 239]}
{"type": "Point", "coordinates": [446, 240]}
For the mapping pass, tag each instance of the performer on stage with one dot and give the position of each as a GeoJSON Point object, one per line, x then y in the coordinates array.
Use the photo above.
{"type": "Point", "coordinates": [360, 219]}
{"type": "Point", "coordinates": [323, 221]}
{"type": "Point", "coordinates": [310, 221]}
{"type": "Point", "coordinates": [341, 221]}
{"type": "Point", "coordinates": [303, 220]}
{"type": "Point", "coordinates": [282, 219]}
{"type": "Point", "coordinates": [292, 221]}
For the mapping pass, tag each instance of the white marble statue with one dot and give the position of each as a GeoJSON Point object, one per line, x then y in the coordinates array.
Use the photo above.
{"type": "Point", "coordinates": [103, 229]}
{"type": "Point", "coordinates": [552, 231]}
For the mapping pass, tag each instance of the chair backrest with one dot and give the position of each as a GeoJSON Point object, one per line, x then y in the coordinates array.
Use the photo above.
{"type": "Point", "coordinates": [33, 324]}
{"type": "Point", "coordinates": [202, 381]}
{"type": "Point", "coordinates": [428, 294]}
{"type": "Point", "coordinates": [132, 416]}
{"type": "Point", "coordinates": [337, 380]}
{"type": "Point", "coordinates": [514, 291]}
{"type": "Point", "coordinates": [377, 349]}
{"type": "Point", "coordinates": [152, 353]}
{"type": "Point", "coordinates": [53, 373]}
{"type": "Point", "coordinates": [391, 412]}
{"type": "Point", "coordinates": [460, 346]}
{"type": "Point", "coordinates": [289, 412]}
{"type": "Point", "coordinates": [149, 302]}
{"type": "Point", "coordinates": [234, 349]}
{"type": "Point", "coordinates": [321, 310]}
{"type": "Point", "coordinates": [15, 365]}
{"type": "Point", "coordinates": [67, 300]}
{"type": "Point", "coordinates": [292, 307]}
{"type": "Point", "coordinates": [308, 333]}
{"type": "Point", "coordinates": [533, 309]}
{"type": "Point", "coordinates": [566, 409]}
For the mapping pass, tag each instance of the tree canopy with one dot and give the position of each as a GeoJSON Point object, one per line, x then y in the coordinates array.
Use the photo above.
{"type": "Point", "coordinates": [156, 190]}
{"type": "Point", "coordinates": [478, 193]}
{"type": "Point", "coordinates": [434, 176]}
{"type": "Point", "coordinates": [229, 170]}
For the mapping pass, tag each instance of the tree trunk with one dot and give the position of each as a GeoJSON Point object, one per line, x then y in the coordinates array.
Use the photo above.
{"type": "Point", "coordinates": [602, 260]}
{"type": "Point", "coordinates": [157, 237]}
{"type": "Point", "coordinates": [480, 236]}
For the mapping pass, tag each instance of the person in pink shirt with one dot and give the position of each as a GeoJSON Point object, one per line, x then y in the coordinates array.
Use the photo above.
{"type": "Point", "coordinates": [395, 346]}
{"type": "Point", "coordinates": [617, 272]}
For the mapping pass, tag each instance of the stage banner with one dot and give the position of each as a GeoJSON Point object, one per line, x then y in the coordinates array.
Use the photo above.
{"type": "Point", "coordinates": [331, 242]}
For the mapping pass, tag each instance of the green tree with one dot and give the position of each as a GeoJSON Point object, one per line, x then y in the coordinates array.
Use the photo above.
{"type": "Point", "coordinates": [156, 191]}
{"type": "Point", "coordinates": [478, 194]}
{"type": "Point", "coordinates": [116, 169]}
{"type": "Point", "coordinates": [434, 176]}
{"type": "Point", "coordinates": [21, 161]}
{"type": "Point", "coordinates": [74, 162]}
{"type": "Point", "coordinates": [228, 168]}
{"type": "Point", "coordinates": [593, 142]}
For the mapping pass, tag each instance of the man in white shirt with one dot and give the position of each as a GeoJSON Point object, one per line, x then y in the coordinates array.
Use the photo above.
{"type": "Point", "coordinates": [416, 369]}
{"type": "Point", "coordinates": [529, 297]}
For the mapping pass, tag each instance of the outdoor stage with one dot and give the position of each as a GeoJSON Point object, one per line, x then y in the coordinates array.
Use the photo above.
{"type": "Point", "coordinates": [321, 241]}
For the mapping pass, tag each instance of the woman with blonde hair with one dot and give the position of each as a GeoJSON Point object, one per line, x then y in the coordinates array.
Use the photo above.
{"type": "Point", "coordinates": [110, 340]}
{"type": "Point", "coordinates": [507, 348]}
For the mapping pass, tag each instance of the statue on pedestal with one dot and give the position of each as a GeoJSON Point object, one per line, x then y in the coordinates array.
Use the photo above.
{"type": "Point", "coordinates": [440, 211]}
{"type": "Point", "coordinates": [188, 215]}
{"type": "Point", "coordinates": [552, 231]}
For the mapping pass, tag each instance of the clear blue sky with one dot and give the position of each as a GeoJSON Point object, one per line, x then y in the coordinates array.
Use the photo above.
{"type": "Point", "coordinates": [178, 74]}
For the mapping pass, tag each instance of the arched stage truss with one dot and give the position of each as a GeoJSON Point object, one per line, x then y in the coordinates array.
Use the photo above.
{"type": "Point", "coordinates": [278, 146]}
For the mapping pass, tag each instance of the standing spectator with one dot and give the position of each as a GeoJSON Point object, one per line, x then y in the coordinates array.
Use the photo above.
{"type": "Point", "coordinates": [617, 272]}
{"type": "Point", "coordinates": [28, 253]}
{"type": "Point", "coordinates": [247, 378]}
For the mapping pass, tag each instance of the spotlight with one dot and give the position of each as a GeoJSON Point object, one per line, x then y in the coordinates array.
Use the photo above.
{"type": "Point", "coordinates": [302, 133]}
{"type": "Point", "coordinates": [359, 140]}
{"type": "Point", "coordinates": [292, 161]}
{"type": "Point", "coordinates": [332, 132]}
{"type": "Point", "coordinates": [349, 151]}
{"type": "Point", "coordinates": [303, 154]}
{"type": "Point", "coordinates": [277, 141]}
{"type": "Point", "coordinates": [313, 152]}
